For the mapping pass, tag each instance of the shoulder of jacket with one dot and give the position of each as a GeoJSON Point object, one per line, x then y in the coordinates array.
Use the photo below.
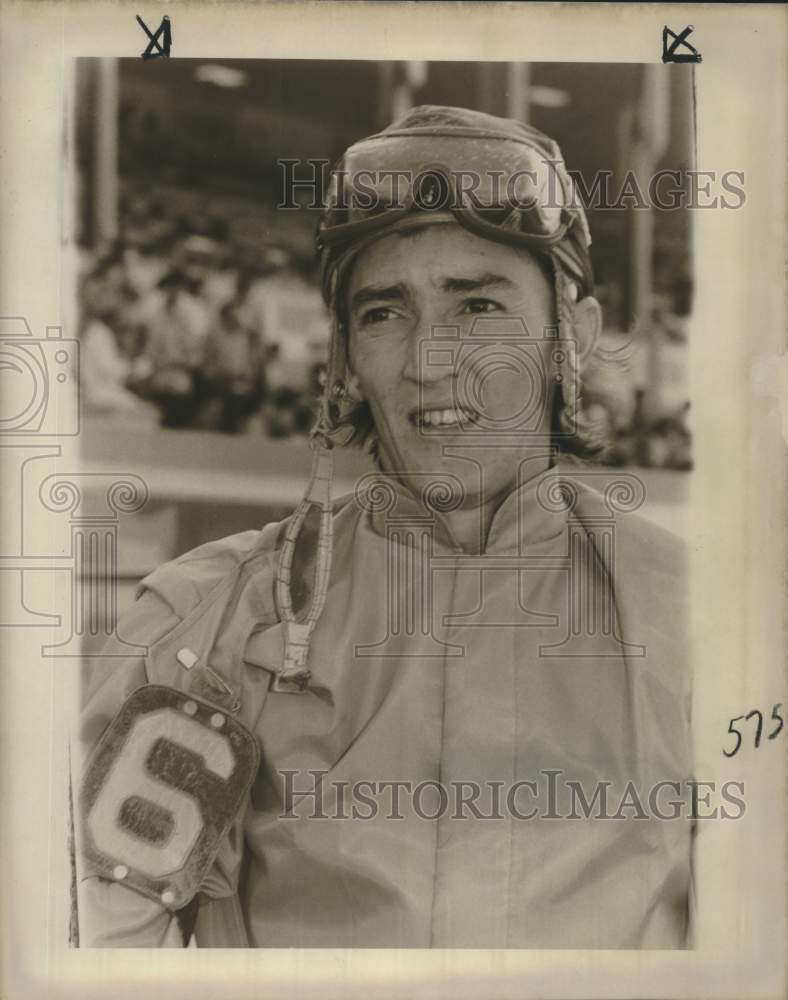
{"type": "Point", "coordinates": [663, 548]}
{"type": "Point", "coordinates": [177, 587]}
{"type": "Point", "coordinates": [185, 581]}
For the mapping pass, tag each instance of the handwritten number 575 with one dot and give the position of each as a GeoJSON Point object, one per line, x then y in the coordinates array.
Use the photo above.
{"type": "Point", "coordinates": [755, 714]}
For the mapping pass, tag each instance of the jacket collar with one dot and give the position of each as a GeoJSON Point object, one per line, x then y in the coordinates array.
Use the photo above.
{"type": "Point", "coordinates": [524, 519]}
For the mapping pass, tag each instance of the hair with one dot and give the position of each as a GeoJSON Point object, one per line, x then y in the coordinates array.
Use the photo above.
{"type": "Point", "coordinates": [573, 433]}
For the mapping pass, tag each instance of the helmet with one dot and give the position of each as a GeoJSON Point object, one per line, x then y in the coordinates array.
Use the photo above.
{"type": "Point", "coordinates": [498, 178]}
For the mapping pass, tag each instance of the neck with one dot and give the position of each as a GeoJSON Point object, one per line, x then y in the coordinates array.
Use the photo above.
{"type": "Point", "coordinates": [468, 526]}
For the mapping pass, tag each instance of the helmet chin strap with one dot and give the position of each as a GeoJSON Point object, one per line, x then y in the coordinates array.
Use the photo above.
{"type": "Point", "coordinates": [298, 629]}
{"type": "Point", "coordinates": [295, 674]}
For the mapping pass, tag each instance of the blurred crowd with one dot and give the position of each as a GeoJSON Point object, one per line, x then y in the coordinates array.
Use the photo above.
{"type": "Point", "coordinates": [643, 400]}
{"type": "Point", "coordinates": [182, 327]}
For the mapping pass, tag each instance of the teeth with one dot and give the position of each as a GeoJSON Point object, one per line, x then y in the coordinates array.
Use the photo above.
{"type": "Point", "coordinates": [444, 418]}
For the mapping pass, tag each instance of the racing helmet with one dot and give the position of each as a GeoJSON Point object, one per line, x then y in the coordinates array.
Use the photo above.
{"type": "Point", "coordinates": [499, 178]}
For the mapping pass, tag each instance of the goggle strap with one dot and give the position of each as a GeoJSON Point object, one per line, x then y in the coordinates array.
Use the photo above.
{"type": "Point", "coordinates": [332, 235]}
{"type": "Point", "coordinates": [350, 232]}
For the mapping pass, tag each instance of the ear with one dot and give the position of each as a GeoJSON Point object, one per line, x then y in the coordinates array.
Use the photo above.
{"type": "Point", "coordinates": [586, 326]}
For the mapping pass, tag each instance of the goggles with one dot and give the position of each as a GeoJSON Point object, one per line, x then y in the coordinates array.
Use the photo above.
{"type": "Point", "coordinates": [499, 179]}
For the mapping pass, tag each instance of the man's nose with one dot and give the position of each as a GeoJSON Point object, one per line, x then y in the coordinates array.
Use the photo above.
{"type": "Point", "coordinates": [431, 352]}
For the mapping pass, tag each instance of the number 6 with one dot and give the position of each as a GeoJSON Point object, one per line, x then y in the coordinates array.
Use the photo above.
{"type": "Point", "coordinates": [161, 791]}
{"type": "Point", "coordinates": [130, 789]}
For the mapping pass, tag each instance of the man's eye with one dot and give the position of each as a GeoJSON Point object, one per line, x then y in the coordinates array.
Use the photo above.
{"type": "Point", "coordinates": [481, 306]}
{"type": "Point", "coordinates": [377, 315]}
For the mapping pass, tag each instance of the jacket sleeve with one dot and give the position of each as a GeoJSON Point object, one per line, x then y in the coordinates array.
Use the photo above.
{"type": "Point", "coordinates": [177, 603]}
{"type": "Point", "coordinates": [111, 915]}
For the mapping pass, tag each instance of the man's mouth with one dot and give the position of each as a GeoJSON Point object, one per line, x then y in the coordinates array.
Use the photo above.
{"type": "Point", "coordinates": [449, 416]}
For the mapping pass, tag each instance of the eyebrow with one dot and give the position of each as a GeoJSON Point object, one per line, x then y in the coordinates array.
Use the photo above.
{"type": "Point", "coordinates": [486, 280]}
{"type": "Point", "coordinates": [378, 293]}
{"type": "Point", "coordinates": [396, 293]}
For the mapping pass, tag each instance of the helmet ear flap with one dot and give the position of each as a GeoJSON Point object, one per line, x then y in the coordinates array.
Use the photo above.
{"type": "Point", "coordinates": [343, 399]}
{"type": "Point", "coordinates": [353, 391]}
{"type": "Point", "coordinates": [336, 371]}
{"type": "Point", "coordinates": [342, 390]}
{"type": "Point", "coordinates": [341, 393]}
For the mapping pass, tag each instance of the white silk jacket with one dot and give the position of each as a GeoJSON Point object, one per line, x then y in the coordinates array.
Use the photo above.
{"type": "Point", "coordinates": [534, 723]}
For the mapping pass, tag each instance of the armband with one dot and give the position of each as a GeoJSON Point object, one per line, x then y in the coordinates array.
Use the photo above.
{"type": "Point", "coordinates": [161, 790]}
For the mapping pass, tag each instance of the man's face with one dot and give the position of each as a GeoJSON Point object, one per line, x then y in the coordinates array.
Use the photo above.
{"type": "Point", "coordinates": [403, 287]}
